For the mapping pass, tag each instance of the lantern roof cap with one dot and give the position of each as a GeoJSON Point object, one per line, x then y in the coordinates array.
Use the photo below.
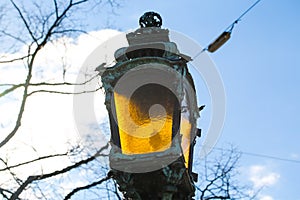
{"type": "Point", "coordinates": [150, 19]}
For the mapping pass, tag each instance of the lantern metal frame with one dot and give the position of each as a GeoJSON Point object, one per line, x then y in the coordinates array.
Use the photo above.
{"type": "Point", "coordinates": [172, 179]}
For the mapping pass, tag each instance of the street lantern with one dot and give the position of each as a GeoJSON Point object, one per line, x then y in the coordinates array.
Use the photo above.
{"type": "Point", "coordinates": [151, 102]}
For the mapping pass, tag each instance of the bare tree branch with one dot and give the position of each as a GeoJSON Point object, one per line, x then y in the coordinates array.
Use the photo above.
{"type": "Point", "coordinates": [218, 178]}
{"type": "Point", "coordinates": [31, 161]}
{"type": "Point", "coordinates": [21, 111]}
{"type": "Point", "coordinates": [66, 93]}
{"type": "Point", "coordinates": [11, 89]}
{"type": "Point", "coordinates": [56, 8]}
{"type": "Point", "coordinates": [16, 59]}
{"type": "Point", "coordinates": [37, 25]}
{"type": "Point", "coordinates": [13, 36]}
{"type": "Point", "coordinates": [68, 31]}
{"type": "Point", "coordinates": [24, 21]}
{"type": "Point", "coordinates": [16, 86]}
{"type": "Point", "coordinates": [3, 191]}
{"type": "Point", "coordinates": [31, 179]}
{"type": "Point", "coordinates": [64, 83]}
{"type": "Point", "coordinates": [56, 23]}
{"type": "Point", "coordinates": [86, 187]}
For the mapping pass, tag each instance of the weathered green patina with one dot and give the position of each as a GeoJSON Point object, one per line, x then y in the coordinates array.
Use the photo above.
{"type": "Point", "coordinates": [173, 178]}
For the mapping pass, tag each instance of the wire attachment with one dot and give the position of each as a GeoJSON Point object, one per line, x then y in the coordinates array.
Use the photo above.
{"type": "Point", "coordinates": [232, 25]}
{"type": "Point", "coordinates": [225, 36]}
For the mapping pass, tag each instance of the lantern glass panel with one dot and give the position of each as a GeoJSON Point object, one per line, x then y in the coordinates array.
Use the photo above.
{"type": "Point", "coordinates": [186, 126]}
{"type": "Point", "coordinates": [185, 130]}
{"type": "Point", "coordinates": [145, 119]}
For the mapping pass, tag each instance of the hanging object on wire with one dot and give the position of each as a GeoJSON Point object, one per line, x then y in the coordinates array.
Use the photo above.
{"type": "Point", "coordinates": [225, 36]}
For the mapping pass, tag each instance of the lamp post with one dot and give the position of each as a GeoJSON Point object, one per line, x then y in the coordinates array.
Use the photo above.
{"type": "Point", "coordinates": [151, 102]}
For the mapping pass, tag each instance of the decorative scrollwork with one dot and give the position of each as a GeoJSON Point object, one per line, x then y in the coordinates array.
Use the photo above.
{"type": "Point", "coordinates": [150, 19]}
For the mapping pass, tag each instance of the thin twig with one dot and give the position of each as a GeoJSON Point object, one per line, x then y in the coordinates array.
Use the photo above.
{"type": "Point", "coordinates": [61, 92]}
{"type": "Point", "coordinates": [15, 59]}
{"type": "Point", "coordinates": [34, 160]}
{"type": "Point", "coordinates": [24, 21]}
{"type": "Point", "coordinates": [86, 187]}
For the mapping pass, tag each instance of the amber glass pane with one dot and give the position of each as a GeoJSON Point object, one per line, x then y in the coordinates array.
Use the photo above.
{"type": "Point", "coordinates": [145, 119]}
{"type": "Point", "coordinates": [185, 130]}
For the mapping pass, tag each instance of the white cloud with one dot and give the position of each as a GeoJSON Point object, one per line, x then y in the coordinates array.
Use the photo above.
{"type": "Point", "coordinates": [261, 176]}
{"type": "Point", "coordinates": [265, 197]}
{"type": "Point", "coordinates": [295, 156]}
{"type": "Point", "coordinates": [48, 124]}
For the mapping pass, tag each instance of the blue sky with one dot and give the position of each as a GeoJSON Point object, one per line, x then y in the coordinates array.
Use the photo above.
{"type": "Point", "coordinates": [260, 68]}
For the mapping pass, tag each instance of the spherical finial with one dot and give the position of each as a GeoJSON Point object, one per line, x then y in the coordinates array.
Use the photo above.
{"type": "Point", "coordinates": [150, 19]}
